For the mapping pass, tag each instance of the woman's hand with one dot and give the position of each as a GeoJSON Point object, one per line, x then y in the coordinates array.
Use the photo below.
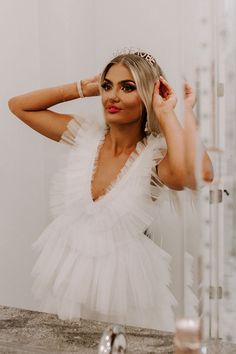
{"type": "Point", "coordinates": [164, 98]}
{"type": "Point", "coordinates": [90, 86]}
{"type": "Point", "coordinates": [189, 95]}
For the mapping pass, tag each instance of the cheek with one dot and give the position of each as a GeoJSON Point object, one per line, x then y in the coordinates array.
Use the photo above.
{"type": "Point", "coordinates": [137, 105]}
{"type": "Point", "coordinates": [103, 98]}
{"type": "Point", "coordinates": [134, 102]}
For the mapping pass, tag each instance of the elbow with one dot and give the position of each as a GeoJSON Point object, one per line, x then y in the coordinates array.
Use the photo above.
{"type": "Point", "coordinates": [208, 175]}
{"type": "Point", "coordinates": [193, 182]}
{"type": "Point", "coordinates": [14, 106]}
{"type": "Point", "coordinates": [207, 171]}
{"type": "Point", "coordinates": [177, 181]}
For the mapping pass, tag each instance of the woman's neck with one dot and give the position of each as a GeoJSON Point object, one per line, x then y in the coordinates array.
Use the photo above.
{"type": "Point", "coordinates": [123, 139]}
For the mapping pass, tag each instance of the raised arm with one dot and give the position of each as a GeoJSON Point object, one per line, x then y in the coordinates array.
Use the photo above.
{"type": "Point", "coordinates": [33, 107]}
{"type": "Point", "coordinates": [191, 142]}
{"type": "Point", "coordinates": [178, 168]}
{"type": "Point", "coordinates": [171, 170]}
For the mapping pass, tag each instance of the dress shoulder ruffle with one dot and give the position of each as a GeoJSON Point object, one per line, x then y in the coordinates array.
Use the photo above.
{"type": "Point", "coordinates": [69, 135]}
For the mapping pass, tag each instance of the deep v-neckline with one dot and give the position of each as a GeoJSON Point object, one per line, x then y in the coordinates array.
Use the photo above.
{"type": "Point", "coordinates": [123, 172]}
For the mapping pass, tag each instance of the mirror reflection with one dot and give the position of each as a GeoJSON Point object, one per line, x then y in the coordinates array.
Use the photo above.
{"type": "Point", "coordinates": [215, 77]}
{"type": "Point", "coordinates": [97, 259]}
{"type": "Point", "coordinates": [128, 264]}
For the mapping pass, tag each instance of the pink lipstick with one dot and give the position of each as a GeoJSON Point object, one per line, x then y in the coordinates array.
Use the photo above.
{"type": "Point", "coordinates": [113, 109]}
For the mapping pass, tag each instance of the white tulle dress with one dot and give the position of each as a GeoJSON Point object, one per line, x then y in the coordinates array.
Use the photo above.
{"type": "Point", "coordinates": [97, 259]}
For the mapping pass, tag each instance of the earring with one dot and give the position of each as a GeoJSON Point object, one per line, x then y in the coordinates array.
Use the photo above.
{"type": "Point", "coordinates": [146, 128]}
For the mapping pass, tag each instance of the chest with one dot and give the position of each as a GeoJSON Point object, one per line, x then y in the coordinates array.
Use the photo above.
{"type": "Point", "coordinates": [107, 169]}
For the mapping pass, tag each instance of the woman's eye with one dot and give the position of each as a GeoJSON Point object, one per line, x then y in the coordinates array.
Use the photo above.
{"type": "Point", "coordinates": [128, 88]}
{"type": "Point", "coordinates": [106, 86]}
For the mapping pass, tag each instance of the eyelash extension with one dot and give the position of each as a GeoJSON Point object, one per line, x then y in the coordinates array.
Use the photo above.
{"type": "Point", "coordinates": [105, 85]}
{"type": "Point", "coordinates": [125, 87]}
{"type": "Point", "coordinates": [128, 87]}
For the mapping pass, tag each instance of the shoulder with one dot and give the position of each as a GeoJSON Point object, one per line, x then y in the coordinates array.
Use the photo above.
{"type": "Point", "coordinates": [157, 144]}
{"type": "Point", "coordinates": [158, 149]}
{"type": "Point", "coordinates": [79, 125]}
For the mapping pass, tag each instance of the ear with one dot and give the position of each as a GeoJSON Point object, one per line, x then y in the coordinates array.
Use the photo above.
{"type": "Point", "coordinates": [163, 90]}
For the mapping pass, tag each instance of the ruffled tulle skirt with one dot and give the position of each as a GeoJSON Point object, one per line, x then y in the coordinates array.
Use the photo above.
{"type": "Point", "coordinates": [95, 262]}
{"type": "Point", "coordinates": [118, 276]}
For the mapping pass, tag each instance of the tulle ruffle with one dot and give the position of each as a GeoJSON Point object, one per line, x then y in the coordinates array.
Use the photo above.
{"type": "Point", "coordinates": [115, 275]}
{"type": "Point", "coordinates": [95, 260]}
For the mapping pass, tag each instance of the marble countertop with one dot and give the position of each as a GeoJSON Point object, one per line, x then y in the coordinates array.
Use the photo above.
{"type": "Point", "coordinates": [24, 331]}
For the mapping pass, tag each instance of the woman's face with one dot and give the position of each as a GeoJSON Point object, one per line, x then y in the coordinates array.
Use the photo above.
{"type": "Point", "coordinates": [121, 101]}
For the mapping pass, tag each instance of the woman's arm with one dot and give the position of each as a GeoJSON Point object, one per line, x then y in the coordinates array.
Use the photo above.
{"type": "Point", "coordinates": [191, 142]}
{"type": "Point", "coordinates": [178, 168]}
{"type": "Point", "coordinates": [33, 107]}
{"type": "Point", "coordinates": [172, 169]}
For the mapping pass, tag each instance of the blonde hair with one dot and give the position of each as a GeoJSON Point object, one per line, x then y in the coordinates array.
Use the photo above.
{"type": "Point", "coordinates": [145, 74]}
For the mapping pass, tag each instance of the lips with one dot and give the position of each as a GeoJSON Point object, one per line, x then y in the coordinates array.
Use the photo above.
{"type": "Point", "coordinates": [113, 109]}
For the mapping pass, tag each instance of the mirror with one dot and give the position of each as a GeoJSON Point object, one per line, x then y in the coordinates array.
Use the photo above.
{"type": "Point", "coordinates": [229, 176]}
{"type": "Point", "coordinates": [215, 78]}
{"type": "Point", "coordinates": [60, 42]}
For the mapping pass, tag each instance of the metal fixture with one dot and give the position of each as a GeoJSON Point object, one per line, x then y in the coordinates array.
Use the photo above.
{"type": "Point", "coordinates": [113, 341]}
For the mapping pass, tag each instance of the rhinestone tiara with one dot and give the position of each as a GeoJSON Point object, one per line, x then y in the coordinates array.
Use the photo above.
{"type": "Point", "coordinates": [148, 57]}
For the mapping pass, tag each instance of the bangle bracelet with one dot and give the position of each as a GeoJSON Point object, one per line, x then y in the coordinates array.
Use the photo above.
{"type": "Point", "coordinates": [79, 88]}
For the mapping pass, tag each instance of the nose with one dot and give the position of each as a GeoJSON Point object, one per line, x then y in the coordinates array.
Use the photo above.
{"type": "Point", "coordinates": [113, 95]}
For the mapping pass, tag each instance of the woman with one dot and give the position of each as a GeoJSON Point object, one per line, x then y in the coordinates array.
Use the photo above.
{"type": "Point", "coordinates": [96, 260]}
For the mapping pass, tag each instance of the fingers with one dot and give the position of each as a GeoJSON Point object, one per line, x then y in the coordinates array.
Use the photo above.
{"type": "Point", "coordinates": [157, 90]}
{"type": "Point", "coordinates": [165, 89]}
{"type": "Point", "coordinates": [96, 78]}
{"type": "Point", "coordinates": [157, 87]}
{"type": "Point", "coordinates": [166, 84]}
{"type": "Point", "coordinates": [156, 93]}
{"type": "Point", "coordinates": [189, 94]}
{"type": "Point", "coordinates": [187, 87]}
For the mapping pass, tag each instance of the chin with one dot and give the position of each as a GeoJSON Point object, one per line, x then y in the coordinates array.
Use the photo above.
{"type": "Point", "coordinates": [118, 119]}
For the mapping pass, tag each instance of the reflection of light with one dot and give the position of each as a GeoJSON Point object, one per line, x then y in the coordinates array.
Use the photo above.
{"type": "Point", "coordinates": [204, 350]}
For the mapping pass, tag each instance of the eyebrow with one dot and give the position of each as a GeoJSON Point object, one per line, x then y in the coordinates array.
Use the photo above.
{"type": "Point", "coordinates": [121, 82]}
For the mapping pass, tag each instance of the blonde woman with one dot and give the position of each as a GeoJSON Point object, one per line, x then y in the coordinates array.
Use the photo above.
{"type": "Point", "coordinates": [95, 259]}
